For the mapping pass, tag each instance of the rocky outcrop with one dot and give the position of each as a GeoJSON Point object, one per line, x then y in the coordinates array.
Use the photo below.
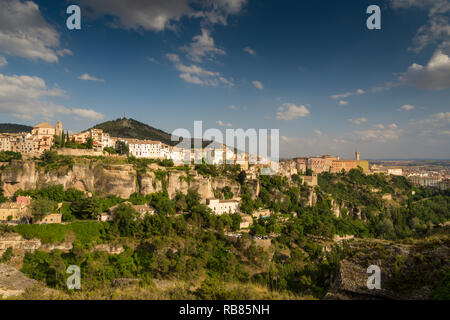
{"type": "Point", "coordinates": [64, 246]}
{"type": "Point", "coordinates": [16, 242]}
{"type": "Point", "coordinates": [335, 208]}
{"type": "Point", "coordinates": [19, 175]}
{"type": "Point", "coordinates": [120, 180]}
{"type": "Point", "coordinates": [13, 282]}
{"type": "Point", "coordinates": [407, 271]}
{"type": "Point", "coordinates": [109, 248]}
{"type": "Point", "coordinates": [312, 199]}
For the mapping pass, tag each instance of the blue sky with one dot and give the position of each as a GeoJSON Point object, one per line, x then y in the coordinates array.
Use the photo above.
{"type": "Point", "coordinates": [309, 68]}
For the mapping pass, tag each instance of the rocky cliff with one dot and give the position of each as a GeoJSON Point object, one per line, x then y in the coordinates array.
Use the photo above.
{"type": "Point", "coordinates": [409, 271]}
{"type": "Point", "coordinates": [120, 180]}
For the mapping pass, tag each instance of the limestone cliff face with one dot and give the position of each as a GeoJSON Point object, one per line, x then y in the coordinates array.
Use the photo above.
{"type": "Point", "coordinates": [149, 184]}
{"type": "Point", "coordinates": [407, 270]}
{"type": "Point", "coordinates": [119, 180]}
{"type": "Point", "coordinates": [19, 175]}
{"type": "Point", "coordinates": [16, 242]}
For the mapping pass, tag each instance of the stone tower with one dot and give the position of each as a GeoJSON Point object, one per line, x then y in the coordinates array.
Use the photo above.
{"type": "Point", "coordinates": [357, 155]}
{"type": "Point", "coordinates": [59, 129]}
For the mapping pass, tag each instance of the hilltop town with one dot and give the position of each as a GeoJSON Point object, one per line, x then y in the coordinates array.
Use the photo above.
{"type": "Point", "coordinates": [89, 194]}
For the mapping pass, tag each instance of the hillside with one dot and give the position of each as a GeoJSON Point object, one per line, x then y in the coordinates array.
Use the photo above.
{"type": "Point", "coordinates": [130, 128]}
{"type": "Point", "coordinates": [14, 128]}
{"type": "Point", "coordinates": [133, 129]}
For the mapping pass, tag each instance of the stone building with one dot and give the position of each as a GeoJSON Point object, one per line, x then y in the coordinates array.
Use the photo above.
{"type": "Point", "coordinates": [50, 218]}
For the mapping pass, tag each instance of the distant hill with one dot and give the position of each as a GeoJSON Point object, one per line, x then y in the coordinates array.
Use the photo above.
{"type": "Point", "coordinates": [14, 128]}
{"type": "Point", "coordinates": [130, 128]}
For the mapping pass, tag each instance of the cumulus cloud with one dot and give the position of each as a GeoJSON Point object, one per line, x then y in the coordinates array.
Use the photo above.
{"type": "Point", "coordinates": [437, 28]}
{"type": "Point", "coordinates": [348, 94]}
{"type": "Point", "coordinates": [343, 103]}
{"type": "Point", "coordinates": [26, 97]}
{"type": "Point", "coordinates": [25, 33]}
{"type": "Point", "coordinates": [358, 120]}
{"type": "Point", "coordinates": [318, 132]}
{"type": "Point", "coordinates": [223, 124]}
{"type": "Point", "coordinates": [158, 15]}
{"type": "Point", "coordinates": [88, 77]}
{"type": "Point", "coordinates": [197, 75]}
{"type": "Point", "coordinates": [3, 61]}
{"type": "Point", "coordinates": [258, 85]}
{"type": "Point", "coordinates": [375, 135]}
{"type": "Point", "coordinates": [202, 46]}
{"type": "Point", "coordinates": [433, 76]}
{"type": "Point", "coordinates": [290, 111]}
{"type": "Point", "coordinates": [249, 51]}
{"type": "Point", "coordinates": [64, 52]}
{"type": "Point", "coordinates": [407, 107]}
{"type": "Point", "coordinates": [152, 60]}
{"type": "Point", "coordinates": [232, 107]}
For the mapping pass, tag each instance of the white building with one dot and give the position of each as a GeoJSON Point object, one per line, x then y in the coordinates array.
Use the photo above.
{"type": "Point", "coordinates": [176, 155]}
{"type": "Point", "coordinates": [223, 206]}
{"type": "Point", "coordinates": [145, 148]}
{"type": "Point", "coordinates": [395, 171]}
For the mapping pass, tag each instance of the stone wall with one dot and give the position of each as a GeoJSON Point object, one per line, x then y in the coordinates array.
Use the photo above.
{"type": "Point", "coordinates": [79, 152]}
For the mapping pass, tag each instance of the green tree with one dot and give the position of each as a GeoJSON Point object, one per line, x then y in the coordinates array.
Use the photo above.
{"type": "Point", "coordinates": [89, 143]}
{"type": "Point", "coordinates": [88, 208]}
{"type": "Point", "coordinates": [42, 207]}
{"type": "Point", "coordinates": [2, 197]}
{"type": "Point", "coordinates": [125, 220]}
{"type": "Point", "coordinates": [122, 148]}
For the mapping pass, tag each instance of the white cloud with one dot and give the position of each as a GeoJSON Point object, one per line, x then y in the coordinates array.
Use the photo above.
{"type": "Point", "coordinates": [392, 126]}
{"type": "Point", "coordinates": [343, 103]}
{"type": "Point", "coordinates": [152, 60]}
{"type": "Point", "coordinates": [88, 77]}
{"type": "Point", "coordinates": [258, 85]}
{"type": "Point", "coordinates": [434, 121]}
{"type": "Point", "coordinates": [358, 120]}
{"type": "Point", "coordinates": [290, 111]}
{"type": "Point", "coordinates": [382, 135]}
{"type": "Point", "coordinates": [223, 124]}
{"type": "Point", "coordinates": [87, 114]}
{"type": "Point", "coordinates": [407, 107]}
{"type": "Point", "coordinates": [249, 51]}
{"type": "Point", "coordinates": [197, 75]}
{"type": "Point", "coordinates": [437, 28]}
{"type": "Point", "coordinates": [24, 97]}
{"type": "Point", "coordinates": [3, 61]}
{"type": "Point", "coordinates": [25, 33]}
{"type": "Point", "coordinates": [202, 46]}
{"type": "Point", "coordinates": [158, 15]}
{"type": "Point", "coordinates": [379, 126]}
{"type": "Point", "coordinates": [64, 52]}
{"type": "Point", "coordinates": [287, 139]}
{"type": "Point", "coordinates": [434, 76]}
{"type": "Point", "coordinates": [318, 132]}
{"type": "Point", "coordinates": [232, 107]}
{"type": "Point", "coordinates": [348, 94]}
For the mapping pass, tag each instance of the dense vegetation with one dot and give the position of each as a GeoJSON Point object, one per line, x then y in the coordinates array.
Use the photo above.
{"type": "Point", "coordinates": [7, 156]}
{"type": "Point", "coordinates": [14, 128]}
{"type": "Point", "coordinates": [130, 128]}
{"type": "Point", "coordinates": [185, 243]}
